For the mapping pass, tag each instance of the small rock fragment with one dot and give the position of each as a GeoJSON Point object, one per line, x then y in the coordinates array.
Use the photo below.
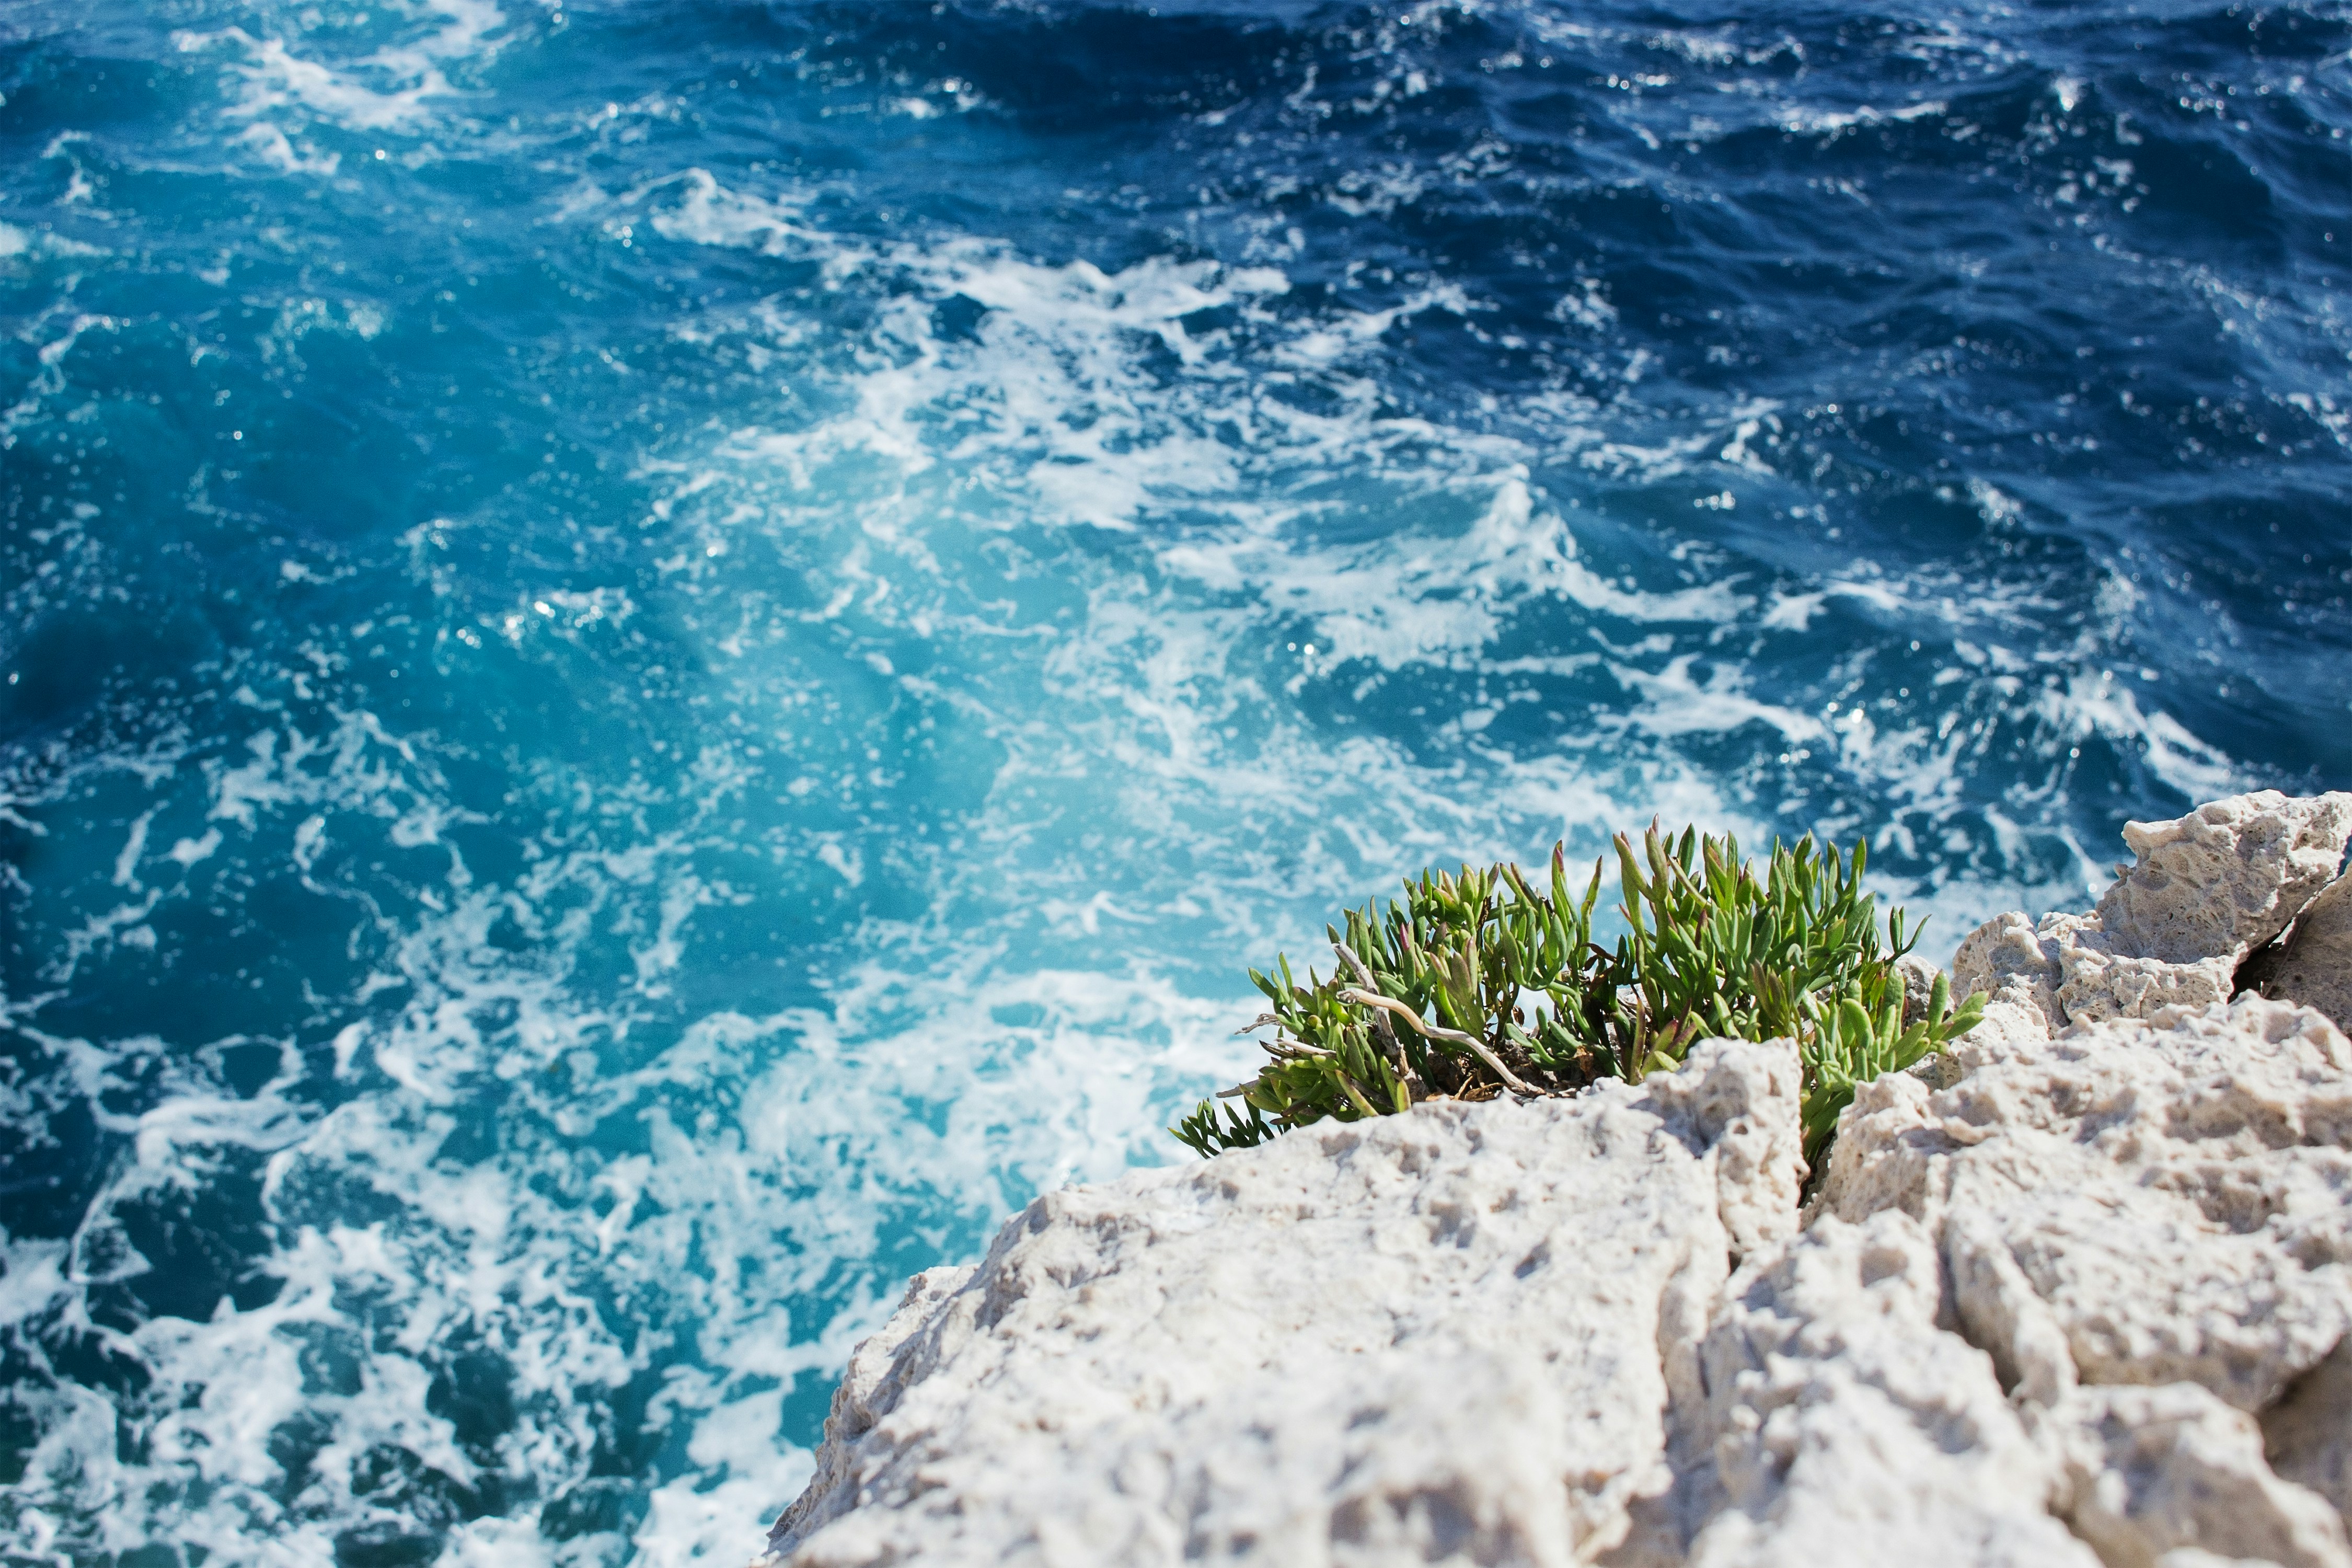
{"type": "Point", "coordinates": [2016, 970]}
{"type": "Point", "coordinates": [1918, 978]}
{"type": "Point", "coordinates": [2100, 981]}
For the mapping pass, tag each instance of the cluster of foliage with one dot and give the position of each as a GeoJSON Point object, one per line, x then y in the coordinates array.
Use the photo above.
{"type": "Point", "coordinates": [1481, 983]}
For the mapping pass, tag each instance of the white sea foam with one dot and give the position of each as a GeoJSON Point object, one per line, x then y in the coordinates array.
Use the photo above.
{"type": "Point", "coordinates": [395, 87]}
{"type": "Point", "coordinates": [1405, 599]}
{"type": "Point", "coordinates": [722, 1225]}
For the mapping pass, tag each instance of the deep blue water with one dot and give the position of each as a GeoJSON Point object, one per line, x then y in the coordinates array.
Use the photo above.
{"type": "Point", "coordinates": [658, 657]}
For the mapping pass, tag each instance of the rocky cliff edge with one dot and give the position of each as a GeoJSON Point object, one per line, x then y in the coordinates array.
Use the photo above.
{"type": "Point", "coordinates": [2081, 1295]}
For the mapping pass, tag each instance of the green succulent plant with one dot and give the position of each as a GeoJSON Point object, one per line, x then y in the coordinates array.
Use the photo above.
{"type": "Point", "coordinates": [1483, 984]}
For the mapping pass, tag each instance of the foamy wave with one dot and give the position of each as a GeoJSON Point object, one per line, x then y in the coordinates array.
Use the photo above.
{"type": "Point", "coordinates": [1249, 538]}
{"type": "Point", "coordinates": [547, 1269]}
{"type": "Point", "coordinates": [393, 88]}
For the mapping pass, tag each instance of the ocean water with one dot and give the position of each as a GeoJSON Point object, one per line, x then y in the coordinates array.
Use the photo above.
{"type": "Point", "coordinates": [658, 657]}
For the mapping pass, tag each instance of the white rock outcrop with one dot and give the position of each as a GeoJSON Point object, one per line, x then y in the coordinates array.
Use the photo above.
{"type": "Point", "coordinates": [2089, 1304]}
{"type": "Point", "coordinates": [2226, 878]}
{"type": "Point", "coordinates": [1454, 1334]}
{"type": "Point", "coordinates": [2015, 967]}
{"type": "Point", "coordinates": [2137, 1203]}
{"type": "Point", "coordinates": [2206, 889]}
{"type": "Point", "coordinates": [1843, 1425]}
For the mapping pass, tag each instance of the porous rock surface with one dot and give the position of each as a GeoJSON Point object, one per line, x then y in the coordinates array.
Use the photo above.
{"type": "Point", "coordinates": [2205, 889]}
{"type": "Point", "coordinates": [1424, 1338]}
{"type": "Point", "coordinates": [2088, 1304]}
{"type": "Point", "coordinates": [2144, 1225]}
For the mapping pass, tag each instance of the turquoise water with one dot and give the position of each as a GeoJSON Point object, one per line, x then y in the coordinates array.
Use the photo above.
{"type": "Point", "coordinates": [658, 659]}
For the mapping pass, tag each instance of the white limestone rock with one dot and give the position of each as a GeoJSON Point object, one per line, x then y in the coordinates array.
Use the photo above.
{"type": "Point", "coordinates": [2148, 1224]}
{"type": "Point", "coordinates": [2101, 978]}
{"type": "Point", "coordinates": [1445, 1336]}
{"type": "Point", "coordinates": [1850, 1429]}
{"type": "Point", "coordinates": [2316, 967]}
{"type": "Point", "coordinates": [2088, 1303]}
{"type": "Point", "coordinates": [2138, 1233]}
{"type": "Point", "coordinates": [2206, 889]}
{"type": "Point", "coordinates": [1918, 977]}
{"type": "Point", "coordinates": [2016, 970]}
{"type": "Point", "coordinates": [2153, 1471]}
{"type": "Point", "coordinates": [2141, 1203]}
{"type": "Point", "coordinates": [2225, 878]}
